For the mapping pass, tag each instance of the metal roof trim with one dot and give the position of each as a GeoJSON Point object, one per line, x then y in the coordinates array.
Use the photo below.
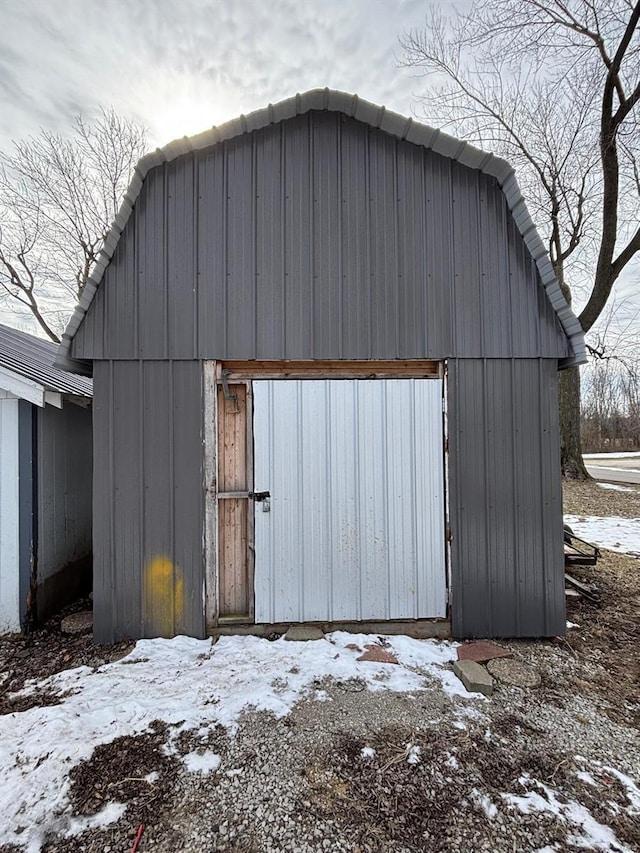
{"type": "Point", "coordinates": [375, 116]}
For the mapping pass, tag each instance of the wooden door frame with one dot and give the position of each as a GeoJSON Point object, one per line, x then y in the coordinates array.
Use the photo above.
{"type": "Point", "coordinates": [244, 372]}
{"type": "Point", "coordinates": [212, 383]}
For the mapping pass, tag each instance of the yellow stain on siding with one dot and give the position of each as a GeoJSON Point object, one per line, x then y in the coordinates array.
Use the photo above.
{"type": "Point", "coordinates": [163, 596]}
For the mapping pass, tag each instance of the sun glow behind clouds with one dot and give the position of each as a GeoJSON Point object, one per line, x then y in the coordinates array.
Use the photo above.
{"type": "Point", "coordinates": [182, 118]}
{"type": "Point", "coordinates": [178, 106]}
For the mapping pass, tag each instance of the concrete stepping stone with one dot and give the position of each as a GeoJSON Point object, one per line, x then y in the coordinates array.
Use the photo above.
{"type": "Point", "coordinates": [474, 677]}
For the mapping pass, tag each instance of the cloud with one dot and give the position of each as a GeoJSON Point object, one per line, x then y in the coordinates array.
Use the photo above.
{"type": "Point", "coordinates": [179, 68]}
{"type": "Point", "coordinates": [236, 56]}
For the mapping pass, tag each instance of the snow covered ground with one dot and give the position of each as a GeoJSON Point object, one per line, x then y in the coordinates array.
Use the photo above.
{"type": "Point", "coordinates": [614, 532]}
{"type": "Point", "coordinates": [187, 683]}
{"type": "Point", "coordinates": [629, 455]}
{"type": "Point", "coordinates": [193, 685]}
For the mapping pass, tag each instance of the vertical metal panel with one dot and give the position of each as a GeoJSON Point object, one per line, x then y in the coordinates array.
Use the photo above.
{"type": "Point", "coordinates": [240, 248]}
{"type": "Point", "coordinates": [355, 245]}
{"type": "Point", "coordinates": [212, 254]}
{"type": "Point", "coordinates": [468, 294]}
{"type": "Point", "coordinates": [505, 499]}
{"type": "Point", "coordinates": [524, 296]}
{"type": "Point", "coordinates": [298, 333]}
{"type": "Point", "coordinates": [107, 623]}
{"type": "Point", "coordinates": [126, 476]}
{"type": "Point", "coordinates": [148, 499]}
{"type": "Point", "coordinates": [320, 237]}
{"type": "Point", "coordinates": [383, 224]}
{"type": "Point", "coordinates": [412, 266]}
{"type": "Point", "coordinates": [64, 487]}
{"type": "Point", "coordinates": [270, 240]}
{"type": "Point", "coordinates": [9, 516]}
{"type": "Point", "coordinates": [182, 281]}
{"type": "Point", "coordinates": [152, 219]}
{"type": "Point", "coordinates": [439, 250]}
{"type": "Point", "coordinates": [28, 533]}
{"type": "Point", "coordinates": [495, 280]}
{"type": "Point", "coordinates": [188, 509]}
{"type": "Point", "coordinates": [326, 239]}
{"type": "Point", "coordinates": [356, 524]}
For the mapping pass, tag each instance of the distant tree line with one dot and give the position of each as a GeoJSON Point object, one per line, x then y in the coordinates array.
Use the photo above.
{"type": "Point", "coordinates": [610, 417]}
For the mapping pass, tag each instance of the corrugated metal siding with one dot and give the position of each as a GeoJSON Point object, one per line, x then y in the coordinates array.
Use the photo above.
{"type": "Point", "coordinates": [319, 237]}
{"type": "Point", "coordinates": [33, 358]}
{"type": "Point", "coordinates": [148, 500]}
{"type": "Point", "coordinates": [9, 517]}
{"type": "Point", "coordinates": [64, 487]}
{"type": "Point", "coordinates": [505, 499]}
{"type": "Point", "coordinates": [356, 526]}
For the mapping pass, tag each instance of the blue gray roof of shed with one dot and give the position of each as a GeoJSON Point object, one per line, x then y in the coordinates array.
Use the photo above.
{"type": "Point", "coordinates": [33, 358]}
{"type": "Point", "coordinates": [379, 117]}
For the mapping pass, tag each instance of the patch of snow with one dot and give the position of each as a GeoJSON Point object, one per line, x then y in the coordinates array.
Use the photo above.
{"type": "Point", "coordinates": [111, 813]}
{"type": "Point", "coordinates": [413, 754]}
{"type": "Point", "coordinates": [592, 835]}
{"type": "Point", "coordinates": [622, 455]}
{"type": "Point", "coordinates": [485, 803]}
{"type": "Point", "coordinates": [152, 777]}
{"type": "Point", "coordinates": [222, 681]}
{"type": "Point", "coordinates": [368, 752]}
{"type": "Point", "coordinates": [531, 802]}
{"type": "Point", "coordinates": [205, 762]}
{"type": "Point", "coordinates": [452, 762]}
{"type": "Point", "coordinates": [236, 771]}
{"type": "Point", "coordinates": [631, 789]}
{"type": "Point", "coordinates": [572, 625]}
{"type": "Point", "coordinates": [587, 777]}
{"type": "Point", "coordinates": [614, 532]}
{"type": "Point", "coordinates": [614, 488]}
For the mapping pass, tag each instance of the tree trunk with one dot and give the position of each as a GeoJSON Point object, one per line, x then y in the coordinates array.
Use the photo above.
{"type": "Point", "coordinates": [570, 444]}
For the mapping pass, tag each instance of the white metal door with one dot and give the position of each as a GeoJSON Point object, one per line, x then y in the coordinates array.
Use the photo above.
{"type": "Point", "coordinates": [354, 526]}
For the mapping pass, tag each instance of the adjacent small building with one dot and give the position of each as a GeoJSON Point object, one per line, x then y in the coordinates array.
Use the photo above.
{"type": "Point", "coordinates": [325, 342]}
{"type": "Point", "coordinates": [45, 482]}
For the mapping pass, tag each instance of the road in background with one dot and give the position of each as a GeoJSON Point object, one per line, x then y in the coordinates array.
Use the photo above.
{"type": "Point", "coordinates": [614, 468]}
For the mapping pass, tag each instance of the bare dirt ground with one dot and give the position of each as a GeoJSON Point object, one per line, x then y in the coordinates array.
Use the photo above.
{"type": "Point", "coordinates": [302, 783]}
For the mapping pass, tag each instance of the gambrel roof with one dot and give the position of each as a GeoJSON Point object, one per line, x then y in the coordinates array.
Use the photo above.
{"type": "Point", "coordinates": [391, 123]}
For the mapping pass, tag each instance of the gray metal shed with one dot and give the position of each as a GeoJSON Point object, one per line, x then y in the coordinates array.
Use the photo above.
{"type": "Point", "coordinates": [45, 482]}
{"type": "Point", "coordinates": [325, 342]}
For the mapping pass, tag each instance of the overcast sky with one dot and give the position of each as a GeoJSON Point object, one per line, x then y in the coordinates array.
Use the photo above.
{"type": "Point", "coordinates": [181, 66]}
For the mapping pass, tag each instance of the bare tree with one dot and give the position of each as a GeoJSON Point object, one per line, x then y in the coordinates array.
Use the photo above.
{"type": "Point", "coordinates": [58, 198]}
{"type": "Point", "coordinates": [611, 400]}
{"type": "Point", "coordinates": [553, 86]}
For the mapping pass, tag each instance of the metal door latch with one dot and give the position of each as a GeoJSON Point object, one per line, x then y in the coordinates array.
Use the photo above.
{"type": "Point", "coordinates": [263, 498]}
